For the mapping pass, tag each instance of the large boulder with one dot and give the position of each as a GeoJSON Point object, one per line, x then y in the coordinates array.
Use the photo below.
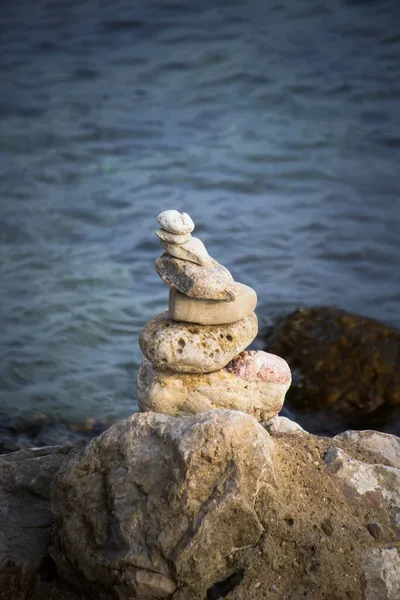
{"type": "Point", "coordinates": [157, 502]}
{"type": "Point", "coordinates": [26, 519]}
{"type": "Point", "coordinates": [255, 382]}
{"type": "Point", "coordinates": [346, 370]}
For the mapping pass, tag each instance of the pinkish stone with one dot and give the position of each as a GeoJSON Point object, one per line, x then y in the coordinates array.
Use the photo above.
{"type": "Point", "coordinates": [261, 365]}
{"type": "Point", "coordinates": [255, 383]}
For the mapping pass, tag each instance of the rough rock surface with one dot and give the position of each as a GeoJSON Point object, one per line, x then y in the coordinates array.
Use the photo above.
{"type": "Point", "coordinates": [193, 250]}
{"type": "Point", "coordinates": [382, 574]}
{"type": "Point", "coordinates": [255, 383]}
{"type": "Point", "coordinates": [25, 518]}
{"type": "Point", "coordinates": [325, 508]}
{"type": "Point", "coordinates": [383, 445]}
{"type": "Point", "coordinates": [212, 312]}
{"type": "Point", "coordinates": [188, 348]}
{"type": "Point", "coordinates": [213, 281]}
{"type": "Point", "coordinates": [372, 485]}
{"type": "Point", "coordinates": [345, 368]}
{"type": "Point", "coordinates": [155, 501]}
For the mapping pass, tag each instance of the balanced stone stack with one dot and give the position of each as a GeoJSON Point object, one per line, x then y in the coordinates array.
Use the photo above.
{"type": "Point", "coordinates": [195, 354]}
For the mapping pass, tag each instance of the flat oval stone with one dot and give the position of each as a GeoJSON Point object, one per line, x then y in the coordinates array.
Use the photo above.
{"type": "Point", "coordinates": [175, 222]}
{"type": "Point", "coordinates": [188, 348]}
{"type": "Point", "coordinates": [212, 312]}
{"type": "Point", "coordinates": [193, 250]}
{"type": "Point", "coordinates": [212, 281]}
{"type": "Point", "coordinates": [258, 389]}
{"type": "Point", "coordinates": [173, 238]}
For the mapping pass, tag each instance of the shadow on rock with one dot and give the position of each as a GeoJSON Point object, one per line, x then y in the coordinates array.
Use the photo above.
{"type": "Point", "coordinates": [346, 370]}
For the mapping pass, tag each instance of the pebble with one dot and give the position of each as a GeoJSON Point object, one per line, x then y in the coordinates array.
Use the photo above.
{"type": "Point", "coordinates": [193, 250]}
{"type": "Point", "coordinates": [173, 238]}
{"type": "Point", "coordinates": [212, 282]}
{"type": "Point", "coordinates": [175, 222]}
{"type": "Point", "coordinates": [212, 312]}
{"type": "Point", "coordinates": [190, 348]}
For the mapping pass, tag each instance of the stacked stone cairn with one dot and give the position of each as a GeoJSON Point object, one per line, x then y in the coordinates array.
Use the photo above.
{"type": "Point", "coordinates": [195, 356]}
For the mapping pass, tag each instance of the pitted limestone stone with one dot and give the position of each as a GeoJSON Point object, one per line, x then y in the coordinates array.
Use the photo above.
{"type": "Point", "coordinates": [212, 282]}
{"type": "Point", "coordinates": [255, 383]}
{"type": "Point", "coordinates": [212, 312]}
{"type": "Point", "coordinates": [188, 348]}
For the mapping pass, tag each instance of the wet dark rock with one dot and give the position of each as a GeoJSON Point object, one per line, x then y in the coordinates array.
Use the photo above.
{"type": "Point", "coordinates": [26, 521]}
{"type": "Point", "coordinates": [17, 433]}
{"type": "Point", "coordinates": [346, 370]}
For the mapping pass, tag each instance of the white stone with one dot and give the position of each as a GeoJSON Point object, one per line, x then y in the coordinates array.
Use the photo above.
{"type": "Point", "coordinates": [173, 238]}
{"type": "Point", "coordinates": [193, 250]}
{"type": "Point", "coordinates": [175, 222]}
{"type": "Point", "coordinates": [283, 425]}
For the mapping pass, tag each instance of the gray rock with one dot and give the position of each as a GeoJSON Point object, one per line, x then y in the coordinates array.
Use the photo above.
{"type": "Point", "coordinates": [382, 574]}
{"type": "Point", "coordinates": [374, 484]}
{"type": "Point", "coordinates": [187, 348]}
{"type": "Point", "coordinates": [212, 312]}
{"type": "Point", "coordinates": [173, 238]}
{"type": "Point", "coordinates": [255, 383]}
{"type": "Point", "coordinates": [193, 250]}
{"type": "Point", "coordinates": [283, 425]}
{"type": "Point", "coordinates": [25, 516]}
{"type": "Point", "coordinates": [213, 281]}
{"type": "Point", "coordinates": [175, 222]}
{"type": "Point", "coordinates": [382, 444]}
{"type": "Point", "coordinates": [157, 502]}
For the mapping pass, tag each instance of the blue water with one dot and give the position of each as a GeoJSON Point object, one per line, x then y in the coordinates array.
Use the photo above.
{"type": "Point", "coordinates": [275, 125]}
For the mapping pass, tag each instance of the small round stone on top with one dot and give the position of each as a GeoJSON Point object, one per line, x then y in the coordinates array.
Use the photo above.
{"type": "Point", "coordinates": [175, 222]}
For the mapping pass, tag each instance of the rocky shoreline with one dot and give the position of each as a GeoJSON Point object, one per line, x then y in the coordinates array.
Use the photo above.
{"type": "Point", "coordinates": [208, 506]}
{"type": "Point", "coordinates": [207, 493]}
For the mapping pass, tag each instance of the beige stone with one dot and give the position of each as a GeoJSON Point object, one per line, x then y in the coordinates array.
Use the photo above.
{"type": "Point", "coordinates": [212, 312]}
{"type": "Point", "coordinates": [173, 238]}
{"type": "Point", "coordinates": [189, 348]}
{"type": "Point", "coordinates": [212, 281]}
{"type": "Point", "coordinates": [193, 250]}
{"type": "Point", "coordinates": [255, 383]}
{"type": "Point", "coordinates": [157, 502]}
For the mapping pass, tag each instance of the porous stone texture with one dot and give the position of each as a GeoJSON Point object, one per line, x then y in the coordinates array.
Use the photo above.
{"type": "Point", "coordinates": [346, 367]}
{"type": "Point", "coordinates": [25, 517]}
{"type": "Point", "coordinates": [382, 574]}
{"type": "Point", "coordinates": [212, 312]}
{"type": "Point", "coordinates": [175, 222]}
{"type": "Point", "coordinates": [255, 383]}
{"type": "Point", "coordinates": [383, 445]}
{"type": "Point", "coordinates": [193, 250]}
{"type": "Point", "coordinates": [156, 501]}
{"type": "Point", "coordinates": [371, 484]}
{"type": "Point", "coordinates": [173, 238]}
{"type": "Point", "coordinates": [190, 348]}
{"type": "Point", "coordinates": [213, 281]}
